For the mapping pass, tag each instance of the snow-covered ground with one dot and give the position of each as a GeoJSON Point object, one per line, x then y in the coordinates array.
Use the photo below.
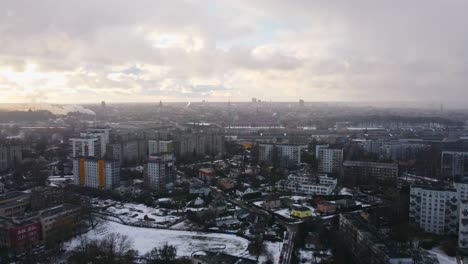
{"type": "Point", "coordinates": [285, 212]}
{"type": "Point", "coordinates": [186, 242]}
{"type": "Point", "coordinates": [272, 249]}
{"type": "Point", "coordinates": [309, 256]}
{"type": "Point", "coordinates": [442, 257]}
{"type": "Point", "coordinates": [135, 213]}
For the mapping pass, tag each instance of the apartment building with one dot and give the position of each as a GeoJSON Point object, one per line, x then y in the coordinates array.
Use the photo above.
{"type": "Point", "coordinates": [330, 160]}
{"type": "Point", "coordinates": [160, 146]}
{"type": "Point", "coordinates": [284, 155]}
{"type": "Point", "coordinates": [10, 156]}
{"type": "Point", "coordinates": [159, 173]}
{"type": "Point", "coordinates": [96, 173]}
{"type": "Point", "coordinates": [303, 185]}
{"type": "Point", "coordinates": [454, 164]}
{"type": "Point", "coordinates": [434, 209]}
{"type": "Point", "coordinates": [363, 172]}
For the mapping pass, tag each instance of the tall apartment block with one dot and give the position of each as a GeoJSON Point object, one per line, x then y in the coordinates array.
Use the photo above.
{"type": "Point", "coordinates": [160, 146]}
{"type": "Point", "coordinates": [330, 160]}
{"type": "Point", "coordinates": [286, 154]}
{"type": "Point", "coordinates": [96, 173]}
{"type": "Point", "coordinates": [159, 173]}
{"type": "Point", "coordinates": [85, 147]}
{"type": "Point", "coordinates": [10, 156]}
{"type": "Point", "coordinates": [435, 210]}
{"type": "Point", "coordinates": [454, 165]}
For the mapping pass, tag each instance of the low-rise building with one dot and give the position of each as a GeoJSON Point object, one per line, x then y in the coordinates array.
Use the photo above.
{"type": "Point", "coordinates": [301, 185]}
{"type": "Point", "coordinates": [17, 233]}
{"type": "Point", "coordinates": [65, 214]}
{"type": "Point", "coordinates": [206, 174]}
{"type": "Point", "coordinates": [14, 203]}
{"type": "Point", "coordinates": [300, 211]}
{"type": "Point", "coordinates": [363, 172]}
{"type": "Point", "coordinates": [326, 207]}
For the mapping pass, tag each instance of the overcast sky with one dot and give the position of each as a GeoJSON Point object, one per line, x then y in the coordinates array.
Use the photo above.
{"type": "Point", "coordinates": [121, 50]}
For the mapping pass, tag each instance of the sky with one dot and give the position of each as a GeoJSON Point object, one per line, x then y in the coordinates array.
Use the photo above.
{"type": "Point", "coordinates": [86, 51]}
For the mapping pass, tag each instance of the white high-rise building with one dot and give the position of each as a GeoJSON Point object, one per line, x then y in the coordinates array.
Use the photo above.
{"type": "Point", "coordinates": [160, 146]}
{"type": "Point", "coordinates": [454, 165]}
{"type": "Point", "coordinates": [96, 173]}
{"type": "Point", "coordinates": [330, 160]}
{"type": "Point", "coordinates": [85, 147]}
{"type": "Point", "coordinates": [160, 172]}
{"type": "Point", "coordinates": [102, 134]}
{"type": "Point", "coordinates": [463, 226]}
{"type": "Point", "coordinates": [435, 210]}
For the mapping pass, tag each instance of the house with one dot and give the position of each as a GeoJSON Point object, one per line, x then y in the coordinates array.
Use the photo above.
{"type": "Point", "coordinates": [206, 174]}
{"type": "Point", "coordinates": [197, 205]}
{"type": "Point", "coordinates": [300, 211]}
{"type": "Point", "coordinates": [226, 184]}
{"type": "Point", "coordinates": [326, 207]}
{"type": "Point", "coordinates": [200, 189]}
{"type": "Point", "coordinates": [271, 202]}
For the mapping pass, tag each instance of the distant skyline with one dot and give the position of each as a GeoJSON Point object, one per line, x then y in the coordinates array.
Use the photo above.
{"type": "Point", "coordinates": [85, 51]}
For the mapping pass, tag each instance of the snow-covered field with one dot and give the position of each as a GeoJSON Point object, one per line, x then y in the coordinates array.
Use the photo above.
{"type": "Point", "coordinates": [272, 249]}
{"type": "Point", "coordinates": [186, 242]}
{"type": "Point", "coordinates": [135, 213]}
{"type": "Point", "coordinates": [442, 257]}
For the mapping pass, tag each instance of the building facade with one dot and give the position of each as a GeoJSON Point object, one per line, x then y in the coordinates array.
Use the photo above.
{"type": "Point", "coordinates": [435, 210]}
{"type": "Point", "coordinates": [159, 173]}
{"type": "Point", "coordinates": [361, 172]}
{"type": "Point", "coordinates": [284, 155]}
{"type": "Point", "coordinates": [96, 173]}
{"type": "Point", "coordinates": [160, 146]}
{"type": "Point", "coordinates": [330, 160]}
{"type": "Point", "coordinates": [10, 157]}
{"type": "Point", "coordinates": [454, 164]}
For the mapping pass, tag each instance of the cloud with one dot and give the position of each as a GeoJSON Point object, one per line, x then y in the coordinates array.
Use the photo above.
{"type": "Point", "coordinates": [186, 50]}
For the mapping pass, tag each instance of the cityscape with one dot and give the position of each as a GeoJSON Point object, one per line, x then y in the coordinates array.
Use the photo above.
{"type": "Point", "coordinates": [233, 132]}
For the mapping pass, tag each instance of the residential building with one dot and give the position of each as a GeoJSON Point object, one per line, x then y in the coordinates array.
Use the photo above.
{"type": "Point", "coordinates": [96, 173]}
{"type": "Point", "coordinates": [367, 245]}
{"type": "Point", "coordinates": [206, 174]}
{"type": "Point", "coordinates": [284, 155]}
{"type": "Point", "coordinates": [401, 150]}
{"type": "Point", "coordinates": [301, 185]}
{"type": "Point", "coordinates": [159, 173]}
{"type": "Point", "coordinates": [160, 146]}
{"type": "Point", "coordinates": [326, 207]}
{"type": "Point", "coordinates": [434, 209]}
{"type": "Point", "coordinates": [463, 227]}
{"type": "Point", "coordinates": [330, 160]}
{"type": "Point", "coordinates": [198, 144]}
{"type": "Point", "coordinates": [128, 152]}
{"type": "Point", "coordinates": [10, 156]}
{"type": "Point", "coordinates": [454, 164]}
{"type": "Point", "coordinates": [102, 133]}
{"type": "Point", "coordinates": [85, 147]}
{"type": "Point", "coordinates": [362, 172]}
{"type": "Point", "coordinates": [300, 211]}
